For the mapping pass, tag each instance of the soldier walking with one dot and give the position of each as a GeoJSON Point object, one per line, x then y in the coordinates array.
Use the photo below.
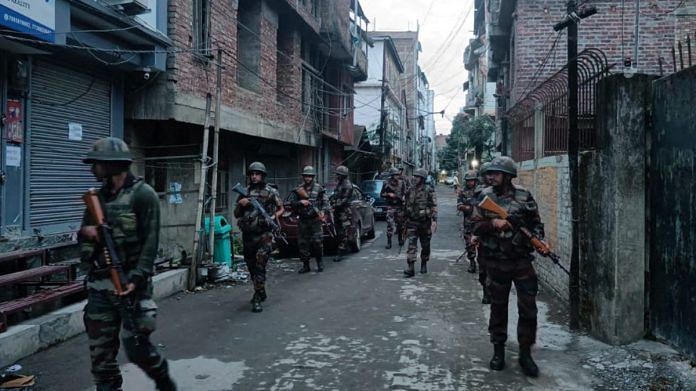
{"type": "Point", "coordinates": [485, 182]}
{"type": "Point", "coordinates": [343, 212]}
{"type": "Point", "coordinates": [394, 191]}
{"type": "Point", "coordinates": [465, 204]}
{"type": "Point", "coordinates": [257, 237]}
{"type": "Point", "coordinates": [508, 257]}
{"type": "Point", "coordinates": [421, 215]}
{"type": "Point", "coordinates": [131, 209]}
{"type": "Point", "coordinates": [310, 200]}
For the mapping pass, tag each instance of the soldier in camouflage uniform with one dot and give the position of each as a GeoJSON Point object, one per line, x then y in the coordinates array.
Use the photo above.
{"type": "Point", "coordinates": [310, 201]}
{"type": "Point", "coordinates": [485, 182]}
{"type": "Point", "coordinates": [343, 213]}
{"type": "Point", "coordinates": [421, 217]}
{"type": "Point", "coordinates": [465, 204]}
{"type": "Point", "coordinates": [257, 236]}
{"type": "Point", "coordinates": [394, 191]}
{"type": "Point", "coordinates": [131, 209]}
{"type": "Point", "coordinates": [508, 256]}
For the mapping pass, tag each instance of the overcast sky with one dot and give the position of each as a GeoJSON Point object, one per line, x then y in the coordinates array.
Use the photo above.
{"type": "Point", "coordinates": [445, 29]}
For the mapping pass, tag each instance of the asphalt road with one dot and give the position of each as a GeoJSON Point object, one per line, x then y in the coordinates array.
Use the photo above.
{"type": "Point", "coordinates": [359, 325]}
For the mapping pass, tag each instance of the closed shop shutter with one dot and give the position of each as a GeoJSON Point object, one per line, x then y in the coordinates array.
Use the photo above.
{"type": "Point", "coordinates": [58, 178]}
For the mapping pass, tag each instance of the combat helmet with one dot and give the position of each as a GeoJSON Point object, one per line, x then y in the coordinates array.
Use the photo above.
{"type": "Point", "coordinates": [504, 164]}
{"type": "Point", "coordinates": [484, 167]}
{"type": "Point", "coordinates": [309, 170]}
{"type": "Point", "coordinates": [421, 172]}
{"type": "Point", "coordinates": [394, 171]}
{"type": "Point", "coordinates": [257, 166]}
{"type": "Point", "coordinates": [109, 149]}
{"type": "Point", "coordinates": [341, 170]}
{"type": "Point", "coordinates": [470, 175]}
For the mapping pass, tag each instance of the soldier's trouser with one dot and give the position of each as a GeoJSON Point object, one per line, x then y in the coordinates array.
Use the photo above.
{"type": "Point", "coordinates": [470, 246]}
{"type": "Point", "coordinates": [103, 320]}
{"type": "Point", "coordinates": [310, 239]}
{"type": "Point", "coordinates": [395, 220]}
{"type": "Point", "coordinates": [418, 231]}
{"type": "Point", "coordinates": [501, 275]}
{"type": "Point", "coordinates": [343, 229]}
{"type": "Point", "coordinates": [257, 250]}
{"type": "Point", "coordinates": [482, 272]}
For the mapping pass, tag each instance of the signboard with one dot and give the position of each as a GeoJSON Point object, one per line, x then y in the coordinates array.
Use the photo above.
{"type": "Point", "coordinates": [34, 17]}
{"type": "Point", "coordinates": [74, 131]}
{"type": "Point", "coordinates": [13, 121]}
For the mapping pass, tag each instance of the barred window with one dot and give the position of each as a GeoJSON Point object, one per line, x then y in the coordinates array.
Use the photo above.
{"type": "Point", "coordinates": [201, 26]}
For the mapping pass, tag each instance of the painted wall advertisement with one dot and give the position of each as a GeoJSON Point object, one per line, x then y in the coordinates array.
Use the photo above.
{"type": "Point", "coordinates": [13, 121]}
{"type": "Point", "coordinates": [34, 17]}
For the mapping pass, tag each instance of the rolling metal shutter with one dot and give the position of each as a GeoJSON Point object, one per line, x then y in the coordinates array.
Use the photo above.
{"type": "Point", "coordinates": [58, 178]}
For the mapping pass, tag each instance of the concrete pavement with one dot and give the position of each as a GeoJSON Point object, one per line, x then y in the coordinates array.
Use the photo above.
{"type": "Point", "coordinates": [360, 325]}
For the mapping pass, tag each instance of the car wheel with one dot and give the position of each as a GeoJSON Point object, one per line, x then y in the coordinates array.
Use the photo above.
{"type": "Point", "coordinates": [371, 233]}
{"type": "Point", "coordinates": [355, 243]}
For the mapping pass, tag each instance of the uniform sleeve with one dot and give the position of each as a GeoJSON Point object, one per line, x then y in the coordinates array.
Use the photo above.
{"type": "Point", "coordinates": [343, 196]}
{"type": "Point", "coordinates": [238, 210]}
{"type": "Point", "coordinates": [294, 200]}
{"type": "Point", "coordinates": [278, 201]}
{"type": "Point", "coordinates": [86, 248]}
{"type": "Point", "coordinates": [385, 189]}
{"type": "Point", "coordinates": [147, 212]}
{"type": "Point", "coordinates": [323, 200]}
{"type": "Point", "coordinates": [433, 204]}
{"type": "Point", "coordinates": [481, 224]}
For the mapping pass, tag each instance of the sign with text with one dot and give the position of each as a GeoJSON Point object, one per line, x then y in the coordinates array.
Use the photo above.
{"type": "Point", "coordinates": [13, 121]}
{"type": "Point", "coordinates": [34, 17]}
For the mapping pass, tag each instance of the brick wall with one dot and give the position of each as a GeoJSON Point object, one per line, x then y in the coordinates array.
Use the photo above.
{"type": "Point", "coordinates": [191, 74]}
{"type": "Point", "coordinates": [550, 186]}
{"type": "Point", "coordinates": [534, 36]}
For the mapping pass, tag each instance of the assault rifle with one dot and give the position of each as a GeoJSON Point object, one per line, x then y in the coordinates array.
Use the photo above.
{"type": "Point", "coordinates": [541, 247]}
{"type": "Point", "coordinates": [112, 260]}
{"type": "Point", "coordinates": [275, 228]}
{"type": "Point", "coordinates": [302, 193]}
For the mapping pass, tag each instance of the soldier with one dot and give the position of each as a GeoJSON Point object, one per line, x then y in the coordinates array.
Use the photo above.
{"type": "Point", "coordinates": [485, 182]}
{"type": "Point", "coordinates": [421, 221]}
{"type": "Point", "coordinates": [257, 237]}
{"type": "Point", "coordinates": [465, 203]}
{"type": "Point", "coordinates": [131, 208]}
{"type": "Point", "coordinates": [393, 191]}
{"type": "Point", "coordinates": [508, 257]}
{"type": "Point", "coordinates": [343, 213]}
{"type": "Point", "coordinates": [310, 200]}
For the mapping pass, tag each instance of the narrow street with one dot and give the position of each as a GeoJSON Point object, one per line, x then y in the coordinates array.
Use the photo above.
{"type": "Point", "coordinates": [358, 326]}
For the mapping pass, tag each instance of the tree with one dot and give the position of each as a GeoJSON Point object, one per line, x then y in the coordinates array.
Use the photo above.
{"type": "Point", "coordinates": [467, 135]}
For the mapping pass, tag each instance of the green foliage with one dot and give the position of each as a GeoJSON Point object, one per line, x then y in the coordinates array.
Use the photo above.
{"type": "Point", "coordinates": [467, 135]}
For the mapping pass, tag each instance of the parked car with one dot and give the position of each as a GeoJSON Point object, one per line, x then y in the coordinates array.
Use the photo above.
{"type": "Point", "coordinates": [372, 188]}
{"type": "Point", "coordinates": [449, 181]}
{"type": "Point", "coordinates": [363, 224]}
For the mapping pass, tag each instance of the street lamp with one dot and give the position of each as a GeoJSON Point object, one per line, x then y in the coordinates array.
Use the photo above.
{"type": "Point", "coordinates": [474, 164]}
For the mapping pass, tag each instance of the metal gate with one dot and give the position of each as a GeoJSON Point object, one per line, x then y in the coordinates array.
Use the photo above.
{"type": "Point", "coordinates": [672, 178]}
{"type": "Point", "coordinates": [70, 110]}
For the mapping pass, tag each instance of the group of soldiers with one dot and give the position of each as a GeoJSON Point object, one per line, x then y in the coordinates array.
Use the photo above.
{"type": "Point", "coordinates": [502, 254]}
{"type": "Point", "coordinates": [131, 212]}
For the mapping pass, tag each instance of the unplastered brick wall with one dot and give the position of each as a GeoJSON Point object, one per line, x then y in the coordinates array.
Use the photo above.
{"type": "Point", "coordinates": [191, 74]}
{"type": "Point", "coordinates": [549, 184]}
{"type": "Point", "coordinates": [612, 30]}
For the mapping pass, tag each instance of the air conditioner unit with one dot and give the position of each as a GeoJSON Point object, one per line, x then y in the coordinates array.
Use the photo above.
{"type": "Point", "coordinates": [130, 7]}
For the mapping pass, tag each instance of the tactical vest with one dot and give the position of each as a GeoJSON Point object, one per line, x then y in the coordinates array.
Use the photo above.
{"type": "Point", "coordinates": [467, 197]}
{"type": "Point", "coordinates": [418, 201]}
{"type": "Point", "coordinates": [397, 187]}
{"type": "Point", "coordinates": [508, 244]}
{"type": "Point", "coordinates": [251, 220]}
{"type": "Point", "coordinates": [343, 195]}
{"type": "Point", "coordinates": [120, 216]}
{"type": "Point", "coordinates": [313, 193]}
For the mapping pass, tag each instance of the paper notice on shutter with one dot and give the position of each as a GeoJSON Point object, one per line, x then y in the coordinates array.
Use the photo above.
{"type": "Point", "coordinates": [74, 131]}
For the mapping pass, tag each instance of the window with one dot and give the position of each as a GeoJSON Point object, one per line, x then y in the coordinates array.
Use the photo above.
{"type": "Point", "coordinates": [201, 26]}
{"type": "Point", "coordinates": [156, 175]}
{"type": "Point", "coordinates": [249, 44]}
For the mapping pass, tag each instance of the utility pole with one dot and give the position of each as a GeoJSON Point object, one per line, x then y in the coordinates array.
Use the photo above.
{"type": "Point", "coordinates": [571, 22]}
{"type": "Point", "coordinates": [216, 143]}
{"type": "Point", "coordinates": [193, 268]}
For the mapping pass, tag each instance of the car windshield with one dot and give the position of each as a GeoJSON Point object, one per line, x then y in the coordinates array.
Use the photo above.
{"type": "Point", "coordinates": [373, 187]}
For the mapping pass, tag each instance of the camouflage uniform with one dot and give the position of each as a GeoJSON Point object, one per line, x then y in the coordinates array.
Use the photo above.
{"type": "Point", "coordinates": [343, 213]}
{"type": "Point", "coordinates": [421, 211]}
{"type": "Point", "coordinates": [257, 237]}
{"type": "Point", "coordinates": [465, 202]}
{"type": "Point", "coordinates": [310, 236]}
{"type": "Point", "coordinates": [133, 214]}
{"type": "Point", "coordinates": [395, 209]}
{"type": "Point", "coordinates": [508, 256]}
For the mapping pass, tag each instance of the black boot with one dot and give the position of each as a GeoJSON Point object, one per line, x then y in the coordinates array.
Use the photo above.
{"type": "Point", "coordinates": [410, 271]}
{"type": "Point", "coordinates": [486, 297]}
{"type": "Point", "coordinates": [260, 296]}
{"type": "Point", "coordinates": [472, 267]}
{"type": "Point", "coordinates": [256, 303]}
{"type": "Point", "coordinates": [424, 267]}
{"type": "Point", "coordinates": [320, 265]}
{"type": "Point", "coordinates": [165, 384]}
{"type": "Point", "coordinates": [527, 363]}
{"type": "Point", "coordinates": [498, 361]}
{"type": "Point", "coordinates": [401, 241]}
{"type": "Point", "coordinates": [389, 244]}
{"type": "Point", "coordinates": [305, 268]}
{"type": "Point", "coordinates": [339, 256]}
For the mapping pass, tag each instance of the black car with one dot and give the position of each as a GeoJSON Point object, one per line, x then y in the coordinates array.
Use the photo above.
{"type": "Point", "coordinates": [372, 188]}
